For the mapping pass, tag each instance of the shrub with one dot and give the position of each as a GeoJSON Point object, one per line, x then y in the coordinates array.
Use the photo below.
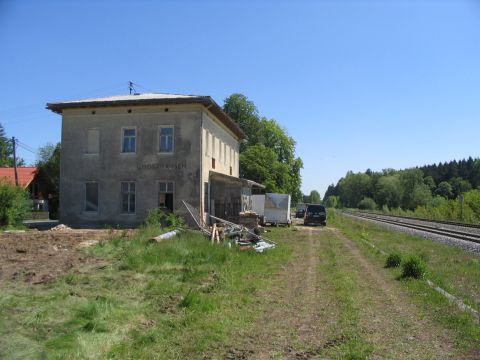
{"type": "Point", "coordinates": [393, 260]}
{"type": "Point", "coordinates": [367, 204]}
{"type": "Point", "coordinates": [414, 267]}
{"type": "Point", "coordinates": [13, 204]}
{"type": "Point", "coordinates": [160, 217]}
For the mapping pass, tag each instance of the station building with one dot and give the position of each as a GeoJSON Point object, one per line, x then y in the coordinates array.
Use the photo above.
{"type": "Point", "coordinates": [124, 155]}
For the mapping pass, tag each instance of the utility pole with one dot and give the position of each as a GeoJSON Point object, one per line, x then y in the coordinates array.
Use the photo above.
{"type": "Point", "coordinates": [14, 142]}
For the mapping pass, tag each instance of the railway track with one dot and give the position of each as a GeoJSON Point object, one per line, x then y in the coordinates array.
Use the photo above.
{"type": "Point", "coordinates": [430, 226]}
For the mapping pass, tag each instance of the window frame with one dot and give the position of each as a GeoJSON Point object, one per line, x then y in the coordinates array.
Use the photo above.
{"type": "Point", "coordinates": [85, 198]}
{"type": "Point", "coordinates": [86, 144]}
{"type": "Point", "coordinates": [122, 136]}
{"type": "Point", "coordinates": [166, 182]}
{"type": "Point", "coordinates": [129, 193]}
{"type": "Point", "coordinates": [160, 127]}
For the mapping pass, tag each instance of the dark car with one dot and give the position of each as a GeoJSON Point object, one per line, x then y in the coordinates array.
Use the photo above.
{"type": "Point", "coordinates": [315, 214]}
{"type": "Point", "coordinates": [300, 214]}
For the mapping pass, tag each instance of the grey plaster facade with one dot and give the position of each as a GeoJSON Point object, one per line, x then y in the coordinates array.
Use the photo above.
{"type": "Point", "coordinates": [92, 138]}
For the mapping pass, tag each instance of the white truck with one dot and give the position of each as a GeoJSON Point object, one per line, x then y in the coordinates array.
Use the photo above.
{"type": "Point", "coordinates": [274, 209]}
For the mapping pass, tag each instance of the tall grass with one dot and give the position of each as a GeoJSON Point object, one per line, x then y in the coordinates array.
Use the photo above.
{"type": "Point", "coordinates": [143, 304]}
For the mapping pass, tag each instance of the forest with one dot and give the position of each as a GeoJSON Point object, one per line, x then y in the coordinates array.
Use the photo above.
{"type": "Point", "coordinates": [446, 191]}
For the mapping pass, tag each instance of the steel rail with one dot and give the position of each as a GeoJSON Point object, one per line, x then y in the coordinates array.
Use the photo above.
{"type": "Point", "coordinates": [444, 232]}
{"type": "Point", "coordinates": [446, 222]}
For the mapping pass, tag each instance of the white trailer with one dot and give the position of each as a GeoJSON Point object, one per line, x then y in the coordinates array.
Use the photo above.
{"type": "Point", "coordinates": [273, 208]}
{"type": "Point", "coordinates": [258, 204]}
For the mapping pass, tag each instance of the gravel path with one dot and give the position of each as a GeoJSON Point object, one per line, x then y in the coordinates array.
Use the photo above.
{"type": "Point", "coordinates": [465, 245]}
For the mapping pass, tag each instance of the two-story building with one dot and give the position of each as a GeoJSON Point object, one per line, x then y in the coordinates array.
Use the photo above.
{"type": "Point", "coordinates": [123, 155]}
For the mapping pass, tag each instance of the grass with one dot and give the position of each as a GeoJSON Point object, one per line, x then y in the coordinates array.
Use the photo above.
{"type": "Point", "coordinates": [451, 268]}
{"type": "Point", "coordinates": [180, 298]}
{"type": "Point", "coordinates": [348, 341]}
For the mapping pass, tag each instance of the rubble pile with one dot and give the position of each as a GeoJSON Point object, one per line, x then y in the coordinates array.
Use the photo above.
{"type": "Point", "coordinates": [60, 227]}
{"type": "Point", "coordinates": [246, 234]}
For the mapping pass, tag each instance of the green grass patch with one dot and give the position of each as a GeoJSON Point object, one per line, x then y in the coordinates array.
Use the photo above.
{"type": "Point", "coordinates": [449, 267]}
{"type": "Point", "coordinates": [349, 342]}
{"type": "Point", "coordinates": [181, 298]}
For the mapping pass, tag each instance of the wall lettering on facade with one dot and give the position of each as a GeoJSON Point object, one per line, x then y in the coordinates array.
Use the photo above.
{"type": "Point", "coordinates": [167, 166]}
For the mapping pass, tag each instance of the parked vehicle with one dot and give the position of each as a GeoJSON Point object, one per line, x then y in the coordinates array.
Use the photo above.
{"type": "Point", "coordinates": [300, 213]}
{"type": "Point", "coordinates": [315, 214]}
{"type": "Point", "coordinates": [274, 208]}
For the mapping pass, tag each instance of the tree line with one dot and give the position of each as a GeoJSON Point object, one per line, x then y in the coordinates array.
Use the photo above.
{"type": "Point", "coordinates": [417, 189]}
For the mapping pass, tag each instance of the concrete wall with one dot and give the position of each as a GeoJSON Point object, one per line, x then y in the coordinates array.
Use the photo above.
{"type": "Point", "coordinates": [110, 166]}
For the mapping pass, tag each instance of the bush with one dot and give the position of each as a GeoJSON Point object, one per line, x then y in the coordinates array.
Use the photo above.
{"type": "Point", "coordinates": [393, 260]}
{"type": "Point", "coordinates": [159, 217]}
{"type": "Point", "coordinates": [367, 204]}
{"type": "Point", "coordinates": [13, 204]}
{"type": "Point", "coordinates": [414, 267]}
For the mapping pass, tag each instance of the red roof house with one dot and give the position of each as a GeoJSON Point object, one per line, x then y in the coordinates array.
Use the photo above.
{"type": "Point", "coordinates": [25, 175]}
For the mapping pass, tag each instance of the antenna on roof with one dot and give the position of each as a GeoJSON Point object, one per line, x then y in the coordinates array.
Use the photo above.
{"type": "Point", "coordinates": [131, 88]}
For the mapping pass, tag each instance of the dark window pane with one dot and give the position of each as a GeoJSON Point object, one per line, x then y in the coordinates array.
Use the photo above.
{"type": "Point", "coordinates": [91, 197]}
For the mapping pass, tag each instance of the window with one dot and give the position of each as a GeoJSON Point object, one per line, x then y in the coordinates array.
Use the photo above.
{"type": "Point", "coordinates": [165, 195]}
{"type": "Point", "coordinates": [213, 163]}
{"type": "Point", "coordinates": [225, 154]}
{"type": "Point", "coordinates": [91, 197]}
{"type": "Point", "coordinates": [220, 151]}
{"type": "Point", "coordinates": [205, 197]}
{"type": "Point", "coordinates": [205, 141]}
{"type": "Point", "coordinates": [128, 197]}
{"type": "Point", "coordinates": [214, 146]}
{"type": "Point", "coordinates": [128, 143]}
{"type": "Point", "coordinates": [166, 139]}
{"type": "Point", "coordinates": [93, 141]}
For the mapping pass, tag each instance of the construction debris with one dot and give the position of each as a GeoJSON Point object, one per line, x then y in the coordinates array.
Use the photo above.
{"type": "Point", "coordinates": [245, 236]}
{"type": "Point", "coordinates": [60, 227]}
{"type": "Point", "coordinates": [166, 235]}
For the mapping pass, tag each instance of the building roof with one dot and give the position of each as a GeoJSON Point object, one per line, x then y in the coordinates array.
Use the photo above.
{"type": "Point", "coordinates": [25, 175]}
{"type": "Point", "coordinates": [151, 99]}
{"type": "Point", "coordinates": [242, 181]}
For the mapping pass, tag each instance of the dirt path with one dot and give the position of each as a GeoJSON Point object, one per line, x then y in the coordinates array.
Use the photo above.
{"type": "Point", "coordinates": [330, 301]}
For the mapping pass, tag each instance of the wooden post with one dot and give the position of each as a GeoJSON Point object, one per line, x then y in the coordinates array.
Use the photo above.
{"type": "Point", "coordinates": [214, 230]}
{"type": "Point", "coordinates": [15, 160]}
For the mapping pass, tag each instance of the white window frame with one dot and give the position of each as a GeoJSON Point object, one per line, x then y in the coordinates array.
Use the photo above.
{"type": "Point", "coordinates": [123, 128]}
{"type": "Point", "coordinates": [129, 193]}
{"type": "Point", "coordinates": [160, 127]}
{"type": "Point", "coordinates": [85, 198]}
{"type": "Point", "coordinates": [173, 191]}
{"type": "Point", "coordinates": [86, 145]}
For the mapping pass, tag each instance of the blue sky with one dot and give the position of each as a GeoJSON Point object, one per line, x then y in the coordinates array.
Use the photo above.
{"type": "Point", "coordinates": [358, 84]}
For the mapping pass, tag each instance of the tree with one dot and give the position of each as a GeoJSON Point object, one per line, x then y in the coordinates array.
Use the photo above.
{"type": "Point", "coordinates": [411, 181]}
{"type": "Point", "coordinates": [245, 114]}
{"type": "Point", "coordinates": [315, 197]}
{"type": "Point", "coordinates": [285, 168]}
{"type": "Point", "coordinates": [459, 186]}
{"type": "Point", "coordinates": [444, 189]}
{"type": "Point", "coordinates": [49, 163]}
{"type": "Point", "coordinates": [428, 180]}
{"type": "Point", "coordinates": [13, 204]}
{"type": "Point", "coordinates": [389, 191]}
{"type": "Point", "coordinates": [332, 201]}
{"type": "Point", "coordinates": [6, 150]}
{"type": "Point", "coordinates": [367, 204]}
{"type": "Point", "coordinates": [260, 164]}
{"type": "Point", "coordinates": [353, 188]}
